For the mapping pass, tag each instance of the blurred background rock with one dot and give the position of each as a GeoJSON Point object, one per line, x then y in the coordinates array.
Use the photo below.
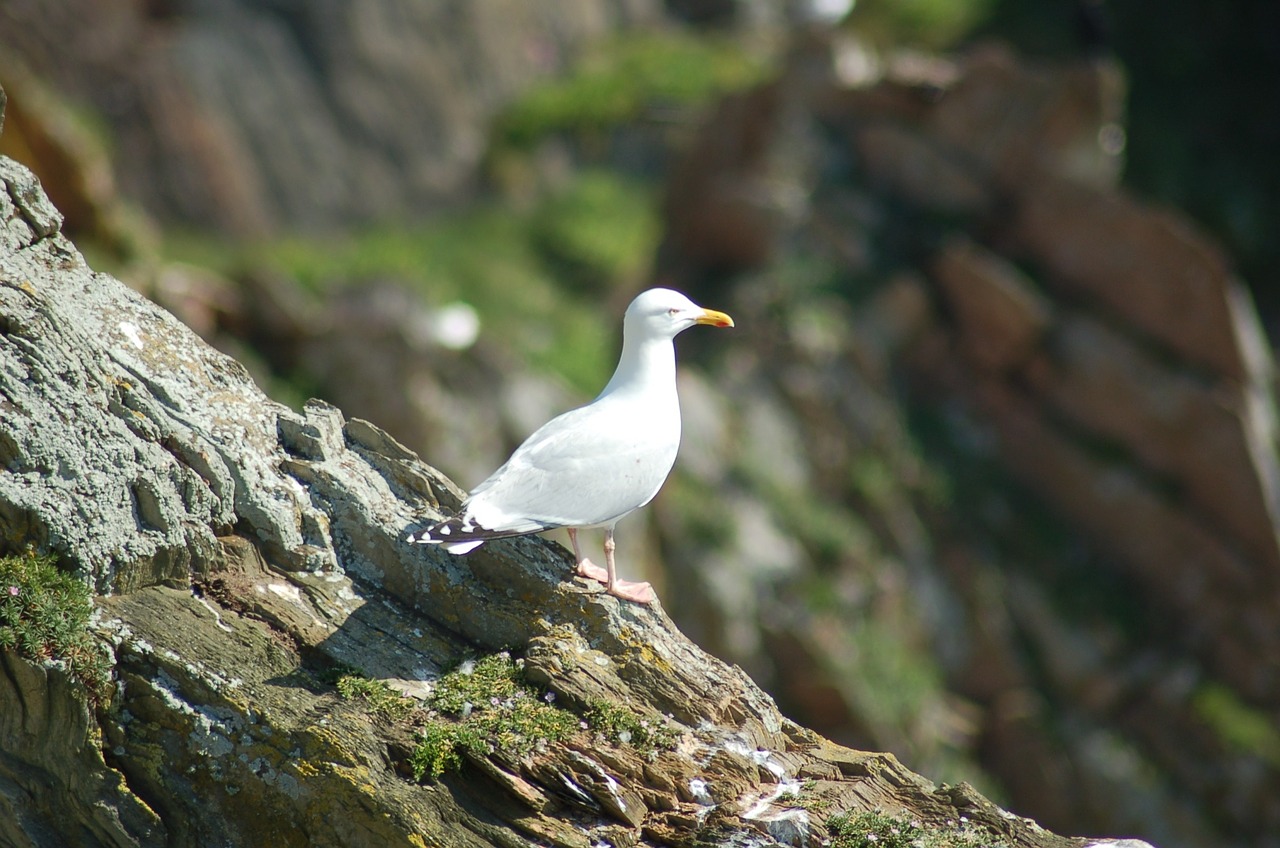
{"type": "Point", "coordinates": [987, 474]}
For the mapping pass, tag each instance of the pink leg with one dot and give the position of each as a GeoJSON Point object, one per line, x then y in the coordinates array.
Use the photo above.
{"type": "Point", "coordinates": [586, 568]}
{"type": "Point", "coordinates": [641, 593]}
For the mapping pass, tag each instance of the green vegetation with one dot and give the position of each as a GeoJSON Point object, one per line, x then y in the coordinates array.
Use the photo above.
{"type": "Point", "coordinates": [829, 532]}
{"type": "Point", "coordinates": [878, 830]}
{"type": "Point", "coordinates": [601, 225]}
{"type": "Point", "coordinates": [931, 24]}
{"type": "Point", "coordinates": [623, 79]}
{"type": "Point", "coordinates": [1241, 728]}
{"type": "Point", "coordinates": [439, 746]}
{"type": "Point", "coordinates": [807, 800]}
{"type": "Point", "coordinates": [44, 617]}
{"type": "Point", "coordinates": [619, 724]}
{"type": "Point", "coordinates": [381, 699]}
{"type": "Point", "coordinates": [599, 231]}
{"type": "Point", "coordinates": [484, 707]}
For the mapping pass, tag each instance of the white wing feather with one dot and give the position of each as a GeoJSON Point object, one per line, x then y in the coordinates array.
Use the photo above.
{"type": "Point", "coordinates": [585, 468]}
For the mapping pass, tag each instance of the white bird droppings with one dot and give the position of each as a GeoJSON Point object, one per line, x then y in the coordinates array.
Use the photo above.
{"type": "Point", "coordinates": [132, 333]}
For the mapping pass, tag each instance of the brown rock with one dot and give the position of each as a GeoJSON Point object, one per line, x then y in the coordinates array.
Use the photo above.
{"type": "Point", "coordinates": [1019, 121]}
{"type": "Point", "coordinates": [1145, 266]}
{"type": "Point", "coordinates": [302, 115]}
{"type": "Point", "coordinates": [1183, 566]}
{"type": "Point", "coordinates": [1178, 425]}
{"type": "Point", "coordinates": [999, 316]}
{"type": "Point", "coordinates": [926, 173]}
{"type": "Point", "coordinates": [718, 208]}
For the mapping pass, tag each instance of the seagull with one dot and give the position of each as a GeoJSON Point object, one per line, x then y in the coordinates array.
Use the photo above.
{"type": "Point", "coordinates": [593, 465]}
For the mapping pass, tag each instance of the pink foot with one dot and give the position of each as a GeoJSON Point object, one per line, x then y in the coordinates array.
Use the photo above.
{"type": "Point", "coordinates": [591, 571]}
{"type": "Point", "coordinates": [641, 593]}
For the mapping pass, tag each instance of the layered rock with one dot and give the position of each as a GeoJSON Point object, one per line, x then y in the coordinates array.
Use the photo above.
{"type": "Point", "coordinates": [243, 118]}
{"type": "Point", "coordinates": [239, 548]}
{"type": "Point", "coordinates": [958, 223]}
{"type": "Point", "coordinates": [1047, 560]}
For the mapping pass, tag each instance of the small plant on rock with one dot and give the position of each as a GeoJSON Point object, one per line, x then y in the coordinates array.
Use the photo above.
{"type": "Point", "coordinates": [44, 617]}
{"type": "Point", "coordinates": [879, 830]}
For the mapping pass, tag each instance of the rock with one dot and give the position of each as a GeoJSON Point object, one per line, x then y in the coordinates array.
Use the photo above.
{"type": "Point", "coordinates": [1181, 563]}
{"type": "Point", "coordinates": [1146, 266]}
{"type": "Point", "coordinates": [1000, 318]}
{"type": "Point", "coordinates": [719, 208]}
{"type": "Point", "coordinates": [1018, 123]}
{"type": "Point", "coordinates": [246, 547]}
{"type": "Point", "coordinates": [1177, 426]}
{"type": "Point", "coordinates": [959, 137]}
{"type": "Point", "coordinates": [1090, 413]}
{"type": "Point", "coordinates": [251, 118]}
{"type": "Point", "coordinates": [49, 136]}
{"type": "Point", "coordinates": [909, 164]}
{"type": "Point", "coordinates": [57, 781]}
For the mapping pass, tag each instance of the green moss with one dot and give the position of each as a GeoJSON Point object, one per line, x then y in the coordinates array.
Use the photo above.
{"type": "Point", "coordinates": [484, 707]}
{"type": "Point", "coordinates": [811, 803]}
{"type": "Point", "coordinates": [620, 725]}
{"type": "Point", "coordinates": [381, 699]}
{"type": "Point", "coordinates": [332, 674]}
{"type": "Point", "coordinates": [598, 231]}
{"type": "Point", "coordinates": [878, 830]}
{"type": "Point", "coordinates": [702, 511]}
{"type": "Point", "coordinates": [618, 82]}
{"type": "Point", "coordinates": [1240, 728]}
{"type": "Point", "coordinates": [832, 533]}
{"type": "Point", "coordinates": [44, 617]}
{"type": "Point", "coordinates": [935, 24]}
{"type": "Point", "coordinates": [601, 225]}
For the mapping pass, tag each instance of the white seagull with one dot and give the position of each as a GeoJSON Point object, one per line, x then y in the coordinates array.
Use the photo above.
{"type": "Point", "coordinates": [592, 465]}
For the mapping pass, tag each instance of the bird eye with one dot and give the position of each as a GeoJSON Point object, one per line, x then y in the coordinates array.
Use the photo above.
{"type": "Point", "coordinates": [673, 310]}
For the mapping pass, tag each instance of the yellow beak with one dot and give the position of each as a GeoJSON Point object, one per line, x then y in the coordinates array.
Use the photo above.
{"type": "Point", "coordinates": [715, 319]}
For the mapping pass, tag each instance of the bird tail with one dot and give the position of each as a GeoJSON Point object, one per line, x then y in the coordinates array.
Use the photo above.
{"type": "Point", "coordinates": [458, 535]}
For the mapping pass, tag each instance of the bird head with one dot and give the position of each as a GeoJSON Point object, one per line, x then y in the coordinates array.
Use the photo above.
{"type": "Point", "coordinates": [663, 313]}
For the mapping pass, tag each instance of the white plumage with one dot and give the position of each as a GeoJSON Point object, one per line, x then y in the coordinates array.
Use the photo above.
{"type": "Point", "coordinates": [591, 466]}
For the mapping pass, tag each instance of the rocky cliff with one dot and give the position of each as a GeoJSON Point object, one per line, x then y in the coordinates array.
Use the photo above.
{"type": "Point", "coordinates": [244, 117]}
{"type": "Point", "coordinates": [1062, 403]}
{"type": "Point", "coordinates": [243, 557]}
{"type": "Point", "coordinates": [991, 483]}
{"type": "Point", "coordinates": [986, 479]}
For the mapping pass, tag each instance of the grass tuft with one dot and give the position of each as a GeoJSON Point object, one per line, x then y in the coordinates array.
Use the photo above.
{"type": "Point", "coordinates": [878, 830]}
{"type": "Point", "coordinates": [619, 724]}
{"type": "Point", "coordinates": [381, 699]}
{"type": "Point", "coordinates": [484, 707]}
{"type": "Point", "coordinates": [626, 79]}
{"type": "Point", "coordinates": [44, 617]}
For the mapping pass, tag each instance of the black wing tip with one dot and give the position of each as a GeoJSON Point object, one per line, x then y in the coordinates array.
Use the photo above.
{"type": "Point", "coordinates": [448, 530]}
{"type": "Point", "coordinates": [455, 535]}
{"type": "Point", "coordinates": [459, 536]}
{"type": "Point", "coordinates": [422, 537]}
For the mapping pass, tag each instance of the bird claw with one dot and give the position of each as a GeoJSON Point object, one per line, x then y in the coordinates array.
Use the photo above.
{"type": "Point", "coordinates": [641, 593]}
{"type": "Point", "coordinates": [591, 571]}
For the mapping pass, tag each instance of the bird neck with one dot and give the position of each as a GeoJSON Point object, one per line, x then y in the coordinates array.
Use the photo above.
{"type": "Point", "coordinates": [644, 363]}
